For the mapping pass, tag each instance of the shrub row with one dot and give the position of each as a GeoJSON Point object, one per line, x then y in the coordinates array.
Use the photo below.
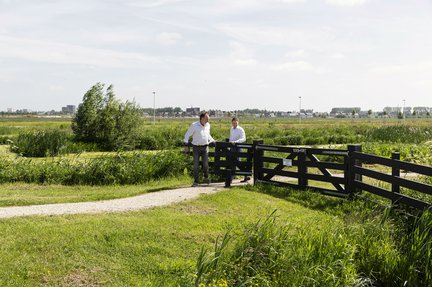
{"type": "Point", "coordinates": [121, 169]}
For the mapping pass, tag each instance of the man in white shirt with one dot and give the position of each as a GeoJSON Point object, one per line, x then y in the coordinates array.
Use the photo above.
{"type": "Point", "coordinates": [237, 135]}
{"type": "Point", "coordinates": [200, 133]}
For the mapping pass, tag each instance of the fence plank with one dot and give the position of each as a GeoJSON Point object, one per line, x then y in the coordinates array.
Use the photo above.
{"type": "Point", "coordinates": [327, 173]}
{"type": "Point", "coordinates": [421, 169]}
{"type": "Point", "coordinates": [280, 165]}
{"type": "Point", "coordinates": [417, 186]}
{"type": "Point", "coordinates": [395, 197]}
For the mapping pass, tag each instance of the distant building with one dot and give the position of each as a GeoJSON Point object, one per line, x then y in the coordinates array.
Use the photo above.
{"type": "Point", "coordinates": [344, 111]}
{"type": "Point", "coordinates": [421, 111]}
{"type": "Point", "coordinates": [69, 109]}
{"type": "Point", "coordinates": [216, 113]}
{"type": "Point", "coordinates": [193, 111]}
{"type": "Point", "coordinates": [392, 111]}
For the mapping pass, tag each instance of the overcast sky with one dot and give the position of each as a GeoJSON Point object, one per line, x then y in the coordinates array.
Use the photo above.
{"type": "Point", "coordinates": [220, 54]}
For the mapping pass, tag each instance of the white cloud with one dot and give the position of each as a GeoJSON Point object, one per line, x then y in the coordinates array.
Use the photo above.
{"type": "Point", "coordinates": [59, 53]}
{"type": "Point", "coordinates": [297, 54]}
{"type": "Point", "coordinates": [168, 39]}
{"type": "Point", "coordinates": [338, 56]}
{"type": "Point", "coordinates": [412, 68]}
{"type": "Point", "coordinates": [298, 66]}
{"type": "Point", "coordinates": [291, 1]}
{"type": "Point", "coordinates": [315, 39]}
{"type": "Point", "coordinates": [151, 4]}
{"type": "Point", "coordinates": [230, 6]}
{"type": "Point", "coordinates": [245, 62]}
{"type": "Point", "coordinates": [346, 2]}
{"type": "Point", "coordinates": [241, 54]}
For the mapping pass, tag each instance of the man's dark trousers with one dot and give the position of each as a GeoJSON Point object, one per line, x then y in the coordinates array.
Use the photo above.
{"type": "Point", "coordinates": [200, 150]}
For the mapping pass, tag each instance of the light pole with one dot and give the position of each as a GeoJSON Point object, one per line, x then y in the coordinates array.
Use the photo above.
{"type": "Point", "coordinates": [403, 110]}
{"type": "Point", "coordinates": [154, 107]}
{"type": "Point", "coordinates": [299, 109]}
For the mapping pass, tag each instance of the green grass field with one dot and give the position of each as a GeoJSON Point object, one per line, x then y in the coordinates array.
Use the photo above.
{"type": "Point", "coordinates": [333, 243]}
{"type": "Point", "coordinates": [315, 240]}
{"type": "Point", "coordinates": [20, 194]}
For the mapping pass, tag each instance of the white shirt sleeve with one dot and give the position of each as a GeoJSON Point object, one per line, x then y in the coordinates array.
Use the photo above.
{"type": "Point", "coordinates": [189, 133]}
{"type": "Point", "coordinates": [211, 139]}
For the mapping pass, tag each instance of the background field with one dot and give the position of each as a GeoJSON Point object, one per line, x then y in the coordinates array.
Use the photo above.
{"type": "Point", "coordinates": [320, 241]}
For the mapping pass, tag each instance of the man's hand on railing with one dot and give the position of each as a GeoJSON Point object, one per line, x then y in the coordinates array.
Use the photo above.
{"type": "Point", "coordinates": [186, 148]}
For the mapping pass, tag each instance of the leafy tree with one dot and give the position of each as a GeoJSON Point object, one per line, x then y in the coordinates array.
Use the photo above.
{"type": "Point", "coordinates": [85, 122]}
{"type": "Point", "coordinates": [104, 120]}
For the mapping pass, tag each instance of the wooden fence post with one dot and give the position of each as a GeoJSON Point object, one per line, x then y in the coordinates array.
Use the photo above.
{"type": "Point", "coordinates": [351, 175]}
{"type": "Point", "coordinates": [216, 164]}
{"type": "Point", "coordinates": [302, 170]}
{"type": "Point", "coordinates": [258, 164]}
{"type": "Point", "coordinates": [395, 172]}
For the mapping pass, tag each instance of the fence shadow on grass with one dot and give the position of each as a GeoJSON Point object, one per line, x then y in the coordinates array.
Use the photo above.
{"type": "Point", "coordinates": [307, 198]}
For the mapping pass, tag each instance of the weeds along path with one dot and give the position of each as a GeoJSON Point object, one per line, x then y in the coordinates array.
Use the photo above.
{"type": "Point", "coordinates": [144, 201]}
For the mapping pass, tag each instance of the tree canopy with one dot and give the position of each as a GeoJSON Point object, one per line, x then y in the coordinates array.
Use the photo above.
{"type": "Point", "coordinates": [103, 119]}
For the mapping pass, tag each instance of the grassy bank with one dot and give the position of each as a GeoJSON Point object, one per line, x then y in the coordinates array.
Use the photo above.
{"type": "Point", "coordinates": [337, 243]}
{"type": "Point", "coordinates": [20, 194]}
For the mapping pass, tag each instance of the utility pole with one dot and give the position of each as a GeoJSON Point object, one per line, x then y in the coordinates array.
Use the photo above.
{"type": "Point", "coordinates": [403, 110]}
{"type": "Point", "coordinates": [154, 107]}
{"type": "Point", "coordinates": [299, 110]}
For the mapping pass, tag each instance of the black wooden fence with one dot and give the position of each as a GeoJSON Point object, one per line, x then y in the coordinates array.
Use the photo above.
{"type": "Point", "coordinates": [342, 171]}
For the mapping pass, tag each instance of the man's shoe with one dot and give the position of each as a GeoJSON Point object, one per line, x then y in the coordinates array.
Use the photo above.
{"type": "Point", "coordinates": [207, 181]}
{"type": "Point", "coordinates": [195, 184]}
{"type": "Point", "coordinates": [246, 179]}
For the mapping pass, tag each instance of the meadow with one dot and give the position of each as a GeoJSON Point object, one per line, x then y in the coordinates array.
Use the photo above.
{"type": "Point", "coordinates": [292, 238]}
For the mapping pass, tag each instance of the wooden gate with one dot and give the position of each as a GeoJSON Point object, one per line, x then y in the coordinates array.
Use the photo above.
{"type": "Point", "coordinates": [300, 167]}
{"type": "Point", "coordinates": [233, 159]}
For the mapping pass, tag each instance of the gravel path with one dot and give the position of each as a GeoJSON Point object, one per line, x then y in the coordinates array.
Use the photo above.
{"type": "Point", "coordinates": [139, 202]}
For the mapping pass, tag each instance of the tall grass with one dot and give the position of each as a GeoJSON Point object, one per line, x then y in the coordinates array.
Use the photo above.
{"type": "Point", "coordinates": [121, 169]}
{"type": "Point", "coordinates": [41, 143]}
{"type": "Point", "coordinates": [373, 247]}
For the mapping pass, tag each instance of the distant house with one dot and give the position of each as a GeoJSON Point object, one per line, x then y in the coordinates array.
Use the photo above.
{"type": "Point", "coordinates": [69, 109]}
{"type": "Point", "coordinates": [344, 111]}
{"type": "Point", "coordinates": [421, 111]}
{"type": "Point", "coordinates": [392, 111]}
{"type": "Point", "coordinates": [193, 111]}
{"type": "Point", "coordinates": [216, 113]}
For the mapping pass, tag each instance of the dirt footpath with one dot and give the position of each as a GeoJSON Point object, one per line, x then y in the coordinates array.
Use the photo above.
{"type": "Point", "coordinates": [139, 202]}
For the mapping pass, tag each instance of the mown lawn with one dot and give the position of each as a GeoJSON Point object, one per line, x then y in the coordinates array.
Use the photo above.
{"type": "Point", "coordinates": [155, 247]}
{"type": "Point", "coordinates": [19, 194]}
{"type": "Point", "coordinates": [159, 247]}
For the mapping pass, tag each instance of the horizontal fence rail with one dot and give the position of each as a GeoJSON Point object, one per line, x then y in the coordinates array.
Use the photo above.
{"type": "Point", "coordinates": [283, 166]}
{"type": "Point", "coordinates": [342, 171]}
{"type": "Point", "coordinates": [394, 179]}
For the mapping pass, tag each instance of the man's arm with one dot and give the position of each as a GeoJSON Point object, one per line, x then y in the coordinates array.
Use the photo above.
{"type": "Point", "coordinates": [188, 134]}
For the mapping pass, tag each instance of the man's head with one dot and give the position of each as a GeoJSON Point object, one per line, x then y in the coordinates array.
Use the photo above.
{"type": "Point", "coordinates": [204, 118]}
{"type": "Point", "coordinates": [234, 122]}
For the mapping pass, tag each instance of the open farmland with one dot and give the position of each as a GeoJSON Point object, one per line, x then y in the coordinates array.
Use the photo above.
{"type": "Point", "coordinates": [311, 239]}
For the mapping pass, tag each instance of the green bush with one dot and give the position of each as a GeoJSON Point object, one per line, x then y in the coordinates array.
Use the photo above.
{"type": "Point", "coordinates": [40, 143]}
{"type": "Point", "coordinates": [399, 134]}
{"type": "Point", "coordinates": [121, 169]}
